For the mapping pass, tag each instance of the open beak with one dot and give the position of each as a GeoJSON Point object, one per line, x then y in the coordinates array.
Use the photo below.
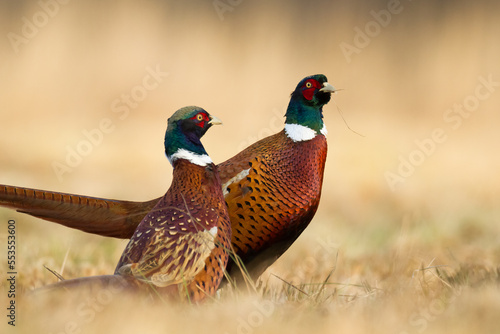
{"type": "Point", "coordinates": [214, 120]}
{"type": "Point", "coordinates": [327, 88]}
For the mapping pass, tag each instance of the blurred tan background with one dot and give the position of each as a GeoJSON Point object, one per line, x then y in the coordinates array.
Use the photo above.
{"type": "Point", "coordinates": [66, 67]}
{"type": "Point", "coordinates": [406, 68]}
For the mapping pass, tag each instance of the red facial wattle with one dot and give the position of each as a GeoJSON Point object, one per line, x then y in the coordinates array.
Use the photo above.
{"type": "Point", "coordinates": [309, 88]}
{"type": "Point", "coordinates": [200, 119]}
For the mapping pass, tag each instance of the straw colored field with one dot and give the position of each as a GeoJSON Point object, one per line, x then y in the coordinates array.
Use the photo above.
{"type": "Point", "coordinates": [407, 236]}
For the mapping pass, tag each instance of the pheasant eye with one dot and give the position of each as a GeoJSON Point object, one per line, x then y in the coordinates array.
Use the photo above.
{"type": "Point", "coordinates": [308, 84]}
{"type": "Point", "coordinates": [199, 117]}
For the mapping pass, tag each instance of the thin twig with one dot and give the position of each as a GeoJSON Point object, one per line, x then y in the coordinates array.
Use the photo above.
{"type": "Point", "coordinates": [342, 116]}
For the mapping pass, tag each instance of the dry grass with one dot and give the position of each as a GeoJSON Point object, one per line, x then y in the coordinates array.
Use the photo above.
{"type": "Point", "coordinates": [423, 258]}
{"type": "Point", "coordinates": [400, 284]}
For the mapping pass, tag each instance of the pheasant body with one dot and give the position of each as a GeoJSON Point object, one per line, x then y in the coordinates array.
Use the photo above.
{"type": "Point", "coordinates": [276, 198]}
{"type": "Point", "coordinates": [180, 248]}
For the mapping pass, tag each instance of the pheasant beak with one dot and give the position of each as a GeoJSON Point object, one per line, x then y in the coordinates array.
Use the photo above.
{"type": "Point", "coordinates": [327, 88]}
{"type": "Point", "coordinates": [214, 120]}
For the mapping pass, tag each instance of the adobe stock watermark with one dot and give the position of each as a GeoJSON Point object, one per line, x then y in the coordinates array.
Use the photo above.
{"type": "Point", "coordinates": [121, 108]}
{"type": "Point", "coordinates": [372, 29]}
{"type": "Point", "coordinates": [11, 271]}
{"type": "Point", "coordinates": [223, 6]}
{"type": "Point", "coordinates": [87, 311]}
{"type": "Point", "coordinates": [452, 117]}
{"type": "Point", "coordinates": [275, 125]}
{"type": "Point", "coordinates": [419, 321]}
{"type": "Point", "coordinates": [325, 248]}
{"type": "Point", "coordinates": [31, 26]}
{"type": "Point", "coordinates": [248, 323]}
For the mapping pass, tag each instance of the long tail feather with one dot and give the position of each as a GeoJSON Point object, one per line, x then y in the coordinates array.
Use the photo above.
{"type": "Point", "coordinates": [106, 217]}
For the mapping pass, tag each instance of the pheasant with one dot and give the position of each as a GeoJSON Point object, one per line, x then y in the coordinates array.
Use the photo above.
{"type": "Point", "coordinates": [183, 243]}
{"type": "Point", "coordinates": [180, 248]}
{"type": "Point", "coordinates": [272, 188]}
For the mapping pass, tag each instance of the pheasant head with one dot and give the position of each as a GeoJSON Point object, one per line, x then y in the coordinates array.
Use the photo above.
{"type": "Point", "coordinates": [184, 131]}
{"type": "Point", "coordinates": [304, 115]}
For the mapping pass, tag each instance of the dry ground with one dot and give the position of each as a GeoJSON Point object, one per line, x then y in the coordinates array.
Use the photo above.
{"type": "Point", "coordinates": [421, 256]}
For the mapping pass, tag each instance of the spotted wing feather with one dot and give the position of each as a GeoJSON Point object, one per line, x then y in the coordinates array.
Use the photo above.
{"type": "Point", "coordinates": [170, 247]}
{"type": "Point", "coordinates": [185, 238]}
